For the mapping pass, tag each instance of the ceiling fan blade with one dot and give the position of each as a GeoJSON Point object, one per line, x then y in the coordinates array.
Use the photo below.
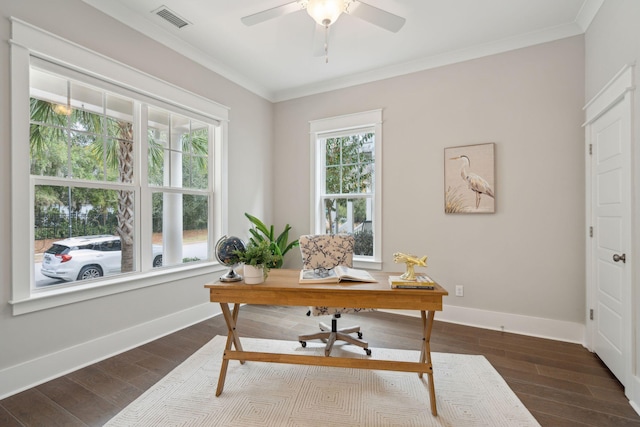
{"type": "Point", "coordinates": [376, 16]}
{"type": "Point", "coordinates": [274, 12]}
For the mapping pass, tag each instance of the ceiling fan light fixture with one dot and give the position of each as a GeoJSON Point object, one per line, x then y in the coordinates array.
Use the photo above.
{"type": "Point", "coordinates": [326, 12]}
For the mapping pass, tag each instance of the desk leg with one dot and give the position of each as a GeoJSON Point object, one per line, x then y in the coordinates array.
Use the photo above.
{"type": "Point", "coordinates": [232, 339]}
{"type": "Point", "coordinates": [425, 355]}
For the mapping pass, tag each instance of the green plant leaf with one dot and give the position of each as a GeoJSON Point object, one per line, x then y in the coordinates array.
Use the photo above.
{"type": "Point", "coordinates": [258, 224]}
{"type": "Point", "coordinates": [257, 254]}
{"type": "Point", "coordinates": [282, 239]}
{"type": "Point", "coordinates": [279, 246]}
{"type": "Point", "coordinates": [255, 236]}
{"type": "Point", "coordinates": [291, 245]}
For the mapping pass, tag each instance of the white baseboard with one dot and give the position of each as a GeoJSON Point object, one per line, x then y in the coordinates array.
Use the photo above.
{"type": "Point", "coordinates": [37, 371]}
{"type": "Point", "coordinates": [634, 395]}
{"type": "Point", "coordinates": [508, 322]}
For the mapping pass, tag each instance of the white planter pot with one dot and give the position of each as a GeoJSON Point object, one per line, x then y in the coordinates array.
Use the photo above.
{"type": "Point", "coordinates": [253, 275]}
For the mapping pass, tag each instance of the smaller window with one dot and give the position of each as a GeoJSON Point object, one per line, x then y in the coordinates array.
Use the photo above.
{"type": "Point", "coordinates": [346, 155]}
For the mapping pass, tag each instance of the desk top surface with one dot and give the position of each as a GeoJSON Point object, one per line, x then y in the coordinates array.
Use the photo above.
{"type": "Point", "coordinates": [282, 288]}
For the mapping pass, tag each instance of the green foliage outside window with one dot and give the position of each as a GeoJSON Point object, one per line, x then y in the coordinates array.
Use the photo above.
{"type": "Point", "coordinates": [363, 244]}
{"type": "Point", "coordinates": [349, 169]}
{"type": "Point", "coordinates": [88, 146]}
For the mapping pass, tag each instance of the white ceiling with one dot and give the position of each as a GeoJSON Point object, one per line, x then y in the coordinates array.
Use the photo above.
{"type": "Point", "coordinates": [277, 59]}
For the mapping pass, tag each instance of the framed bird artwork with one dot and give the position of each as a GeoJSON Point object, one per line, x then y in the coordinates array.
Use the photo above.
{"type": "Point", "coordinates": [469, 179]}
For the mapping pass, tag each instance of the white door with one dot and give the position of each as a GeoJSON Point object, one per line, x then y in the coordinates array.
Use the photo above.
{"type": "Point", "coordinates": [610, 141]}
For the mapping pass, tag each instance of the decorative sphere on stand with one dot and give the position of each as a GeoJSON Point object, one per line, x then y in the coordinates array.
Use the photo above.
{"type": "Point", "coordinates": [224, 252]}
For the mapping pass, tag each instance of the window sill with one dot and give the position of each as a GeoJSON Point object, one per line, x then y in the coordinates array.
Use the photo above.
{"type": "Point", "coordinates": [42, 300]}
{"type": "Point", "coordinates": [367, 264]}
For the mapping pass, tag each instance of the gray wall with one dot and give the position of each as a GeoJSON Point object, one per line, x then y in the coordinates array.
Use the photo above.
{"type": "Point", "coordinates": [528, 257]}
{"type": "Point", "coordinates": [29, 336]}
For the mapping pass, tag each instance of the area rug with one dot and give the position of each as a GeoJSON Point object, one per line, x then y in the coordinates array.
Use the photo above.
{"type": "Point", "coordinates": [469, 392]}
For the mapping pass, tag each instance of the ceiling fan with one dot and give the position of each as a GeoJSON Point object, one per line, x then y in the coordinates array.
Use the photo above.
{"type": "Point", "coordinates": [326, 12]}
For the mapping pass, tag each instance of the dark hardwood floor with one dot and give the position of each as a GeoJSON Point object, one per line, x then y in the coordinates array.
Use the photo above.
{"type": "Point", "coordinates": [561, 384]}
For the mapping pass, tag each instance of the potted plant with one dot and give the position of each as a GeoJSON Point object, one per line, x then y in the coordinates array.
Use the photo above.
{"type": "Point", "coordinates": [258, 259]}
{"type": "Point", "coordinates": [279, 245]}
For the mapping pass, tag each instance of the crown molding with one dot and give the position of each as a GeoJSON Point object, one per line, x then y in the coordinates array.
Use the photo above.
{"type": "Point", "coordinates": [448, 58]}
{"type": "Point", "coordinates": [125, 15]}
{"type": "Point", "coordinates": [144, 26]}
{"type": "Point", "coordinates": [587, 13]}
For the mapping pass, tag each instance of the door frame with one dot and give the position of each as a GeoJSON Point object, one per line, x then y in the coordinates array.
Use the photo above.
{"type": "Point", "coordinates": [619, 90]}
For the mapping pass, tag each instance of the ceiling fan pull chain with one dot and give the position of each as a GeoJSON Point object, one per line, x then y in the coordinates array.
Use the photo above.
{"type": "Point", "coordinates": [326, 44]}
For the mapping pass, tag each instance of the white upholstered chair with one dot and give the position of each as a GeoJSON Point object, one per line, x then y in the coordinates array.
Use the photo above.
{"type": "Point", "coordinates": [326, 251]}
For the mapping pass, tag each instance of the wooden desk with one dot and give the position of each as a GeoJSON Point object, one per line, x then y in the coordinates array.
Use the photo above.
{"type": "Point", "coordinates": [282, 288]}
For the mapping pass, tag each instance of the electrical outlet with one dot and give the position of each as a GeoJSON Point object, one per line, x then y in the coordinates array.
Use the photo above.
{"type": "Point", "coordinates": [459, 290]}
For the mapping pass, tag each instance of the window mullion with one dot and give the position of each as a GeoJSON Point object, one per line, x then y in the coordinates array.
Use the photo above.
{"type": "Point", "coordinates": [143, 199]}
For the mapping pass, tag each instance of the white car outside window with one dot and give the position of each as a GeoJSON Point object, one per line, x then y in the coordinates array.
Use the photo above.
{"type": "Point", "coordinates": [87, 257]}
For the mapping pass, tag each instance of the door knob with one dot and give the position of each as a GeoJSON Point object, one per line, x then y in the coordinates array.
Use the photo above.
{"type": "Point", "coordinates": [622, 258]}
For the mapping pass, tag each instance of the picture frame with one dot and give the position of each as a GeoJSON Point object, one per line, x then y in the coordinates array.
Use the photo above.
{"type": "Point", "coordinates": [469, 179]}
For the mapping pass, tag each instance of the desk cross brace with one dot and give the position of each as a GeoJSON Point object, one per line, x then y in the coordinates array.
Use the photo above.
{"type": "Point", "coordinates": [424, 365]}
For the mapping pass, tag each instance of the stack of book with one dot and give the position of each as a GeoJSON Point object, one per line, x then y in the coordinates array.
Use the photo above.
{"type": "Point", "coordinates": [422, 282]}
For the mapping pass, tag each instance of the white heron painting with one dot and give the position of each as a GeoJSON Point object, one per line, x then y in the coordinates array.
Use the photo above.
{"type": "Point", "coordinates": [469, 179]}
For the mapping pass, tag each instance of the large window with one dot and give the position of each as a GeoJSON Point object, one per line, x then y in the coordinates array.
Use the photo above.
{"type": "Point", "coordinates": [346, 197]}
{"type": "Point", "coordinates": [119, 184]}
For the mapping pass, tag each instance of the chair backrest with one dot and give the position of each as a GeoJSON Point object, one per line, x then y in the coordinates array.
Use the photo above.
{"type": "Point", "coordinates": [326, 250]}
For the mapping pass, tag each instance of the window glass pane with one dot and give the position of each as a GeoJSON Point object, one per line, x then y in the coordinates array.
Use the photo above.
{"type": "Point", "coordinates": [195, 165]}
{"type": "Point", "coordinates": [333, 148]}
{"type": "Point", "coordinates": [87, 108]}
{"type": "Point", "coordinates": [367, 149]}
{"type": "Point", "coordinates": [351, 179]}
{"type": "Point", "coordinates": [91, 141]}
{"type": "Point", "coordinates": [199, 138]}
{"type": "Point", "coordinates": [48, 87]}
{"type": "Point", "coordinates": [349, 164]}
{"type": "Point", "coordinates": [53, 90]}
{"type": "Point", "coordinates": [158, 142]}
{"type": "Point", "coordinates": [180, 224]}
{"type": "Point", "coordinates": [156, 164]}
{"type": "Point", "coordinates": [333, 179]}
{"type": "Point", "coordinates": [120, 147]}
{"type": "Point", "coordinates": [180, 125]}
{"type": "Point", "coordinates": [85, 163]}
{"type": "Point", "coordinates": [86, 98]}
{"type": "Point", "coordinates": [48, 151]}
{"type": "Point", "coordinates": [352, 216]}
{"type": "Point", "coordinates": [178, 153]}
{"type": "Point", "coordinates": [119, 117]}
{"type": "Point", "coordinates": [73, 228]}
{"type": "Point", "coordinates": [195, 172]}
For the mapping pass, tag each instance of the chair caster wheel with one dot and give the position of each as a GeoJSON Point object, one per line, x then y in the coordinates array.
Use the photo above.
{"type": "Point", "coordinates": [360, 335]}
{"type": "Point", "coordinates": [368, 351]}
{"type": "Point", "coordinates": [303, 343]}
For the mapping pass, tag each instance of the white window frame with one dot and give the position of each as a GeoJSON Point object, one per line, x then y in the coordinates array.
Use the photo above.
{"type": "Point", "coordinates": [28, 43]}
{"type": "Point", "coordinates": [319, 130]}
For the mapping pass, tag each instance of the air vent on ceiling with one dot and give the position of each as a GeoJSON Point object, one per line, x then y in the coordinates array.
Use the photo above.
{"type": "Point", "coordinates": [171, 17]}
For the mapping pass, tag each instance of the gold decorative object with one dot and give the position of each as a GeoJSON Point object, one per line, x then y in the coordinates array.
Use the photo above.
{"type": "Point", "coordinates": [411, 261]}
